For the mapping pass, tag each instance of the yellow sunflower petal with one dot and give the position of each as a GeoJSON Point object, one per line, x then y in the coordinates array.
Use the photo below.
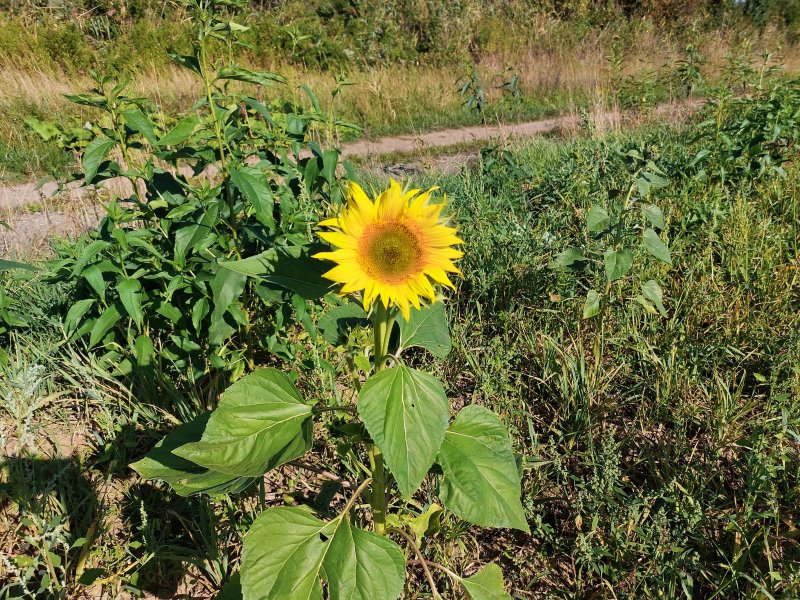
{"type": "Point", "coordinates": [391, 250]}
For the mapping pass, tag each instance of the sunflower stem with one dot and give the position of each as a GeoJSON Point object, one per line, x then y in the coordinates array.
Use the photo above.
{"type": "Point", "coordinates": [382, 325]}
{"type": "Point", "coordinates": [382, 322]}
{"type": "Point", "coordinates": [378, 496]}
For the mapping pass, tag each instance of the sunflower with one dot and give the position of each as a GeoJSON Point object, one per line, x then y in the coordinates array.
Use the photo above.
{"type": "Point", "coordinates": [393, 249]}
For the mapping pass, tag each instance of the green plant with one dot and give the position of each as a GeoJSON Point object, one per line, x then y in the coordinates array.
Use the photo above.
{"type": "Point", "coordinates": [512, 90]}
{"type": "Point", "coordinates": [397, 435]}
{"type": "Point", "coordinates": [614, 232]}
{"type": "Point", "coordinates": [750, 136]}
{"type": "Point", "coordinates": [471, 90]}
{"type": "Point", "coordinates": [688, 70]}
{"type": "Point", "coordinates": [231, 179]}
{"type": "Point", "coordinates": [10, 316]}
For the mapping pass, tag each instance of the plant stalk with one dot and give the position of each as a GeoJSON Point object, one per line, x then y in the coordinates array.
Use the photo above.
{"type": "Point", "coordinates": [382, 325]}
{"type": "Point", "coordinates": [378, 496]}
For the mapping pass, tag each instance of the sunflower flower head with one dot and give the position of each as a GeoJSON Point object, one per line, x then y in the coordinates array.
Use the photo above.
{"type": "Point", "coordinates": [393, 250]}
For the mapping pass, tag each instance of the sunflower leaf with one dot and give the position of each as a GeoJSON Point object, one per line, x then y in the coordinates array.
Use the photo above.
{"type": "Point", "coordinates": [406, 413]}
{"type": "Point", "coordinates": [338, 321]}
{"type": "Point", "coordinates": [288, 552]}
{"type": "Point", "coordinates": [261, 422]}
{"type": "Point", "coordinates": [481, 481]}
{"type": "Point", "coordinates": [486, 584]}
{"type": "Point", "coordinates": [427, 328]}
{"type": "Point", "coordinates": [185, 477]}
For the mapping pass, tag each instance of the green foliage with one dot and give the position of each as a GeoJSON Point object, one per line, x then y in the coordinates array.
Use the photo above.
{"type": "Point", "coordinates": [288, 551]}
{"type": "Point", "coordinates": [10, 314]}
{"type": "Point", "coordinates": [405, 412]}
{"type": "Point", "coordinates": [427, 328]}
{"type": "Point", "coordinates": [471, 90]}
{"type": "Point", "coordinates": [186, 477]}
{"type": "Point", "coordinates": [480, 481]}
{"type": "Point", "coordinates": [658, 455]}
{"type": "Point", "coordinates": [163, 270]}
{"type": "Point", "coordinates": [487, 584]}
{"type": "Point", "coordinates": [262, 422]}
{"type": "Point", "coordinates": [749, 137]}
{"type": "Point", "coordinates": [614, 234]}
{"type": "Point", "coordinates": [658, 451]}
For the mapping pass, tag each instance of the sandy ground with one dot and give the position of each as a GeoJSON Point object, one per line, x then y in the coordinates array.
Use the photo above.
{"type": "Point", "coordinates": [30, 216]}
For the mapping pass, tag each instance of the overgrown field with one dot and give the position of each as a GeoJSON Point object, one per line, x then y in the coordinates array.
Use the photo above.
{"type": "Point", "coordinates": [600, 400]}
{"type": "Point", "coordinates": [385, 67]}
{"type": "Point", "coordinates": [629, 308]}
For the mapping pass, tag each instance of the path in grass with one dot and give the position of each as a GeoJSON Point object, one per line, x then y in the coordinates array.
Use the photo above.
{"type": "Point", "coordinates": [33, 213]}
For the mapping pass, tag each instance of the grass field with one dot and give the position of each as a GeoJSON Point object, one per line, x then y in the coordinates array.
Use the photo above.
{"type": "Point", "coordinates": [629, 308]}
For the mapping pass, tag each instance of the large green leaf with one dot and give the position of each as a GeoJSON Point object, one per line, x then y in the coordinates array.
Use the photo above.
{"type": "Point", "coordinates": [226, 288]}
{"type": "Point", "coordinates": [258, 425]}
{"type": "Point", "coordinates": [188, 62]}
{"type": "Point", "coordinates": [138, 121]}
{"type": "Point", "coordinates": [335, 324]}
{"type": "Point", "coordinates": [481, 482]}
{"type": "Point", "coordinates": [263, 78]}
{"type": "Point", "coordinates": [617, 263]}
{"type": "Point", "coordinates": [190, 236]}
{"type": "Point", "coordinates": [406, 413]}
{"type": "Point", "coordinates": [652, 291]}
{"type": "Point", "coordinates": [94, 154]}
{"type": "Point", "coordinates": [427, 328]}
{"type": "Point", "coordinates": [486, 584]}
{"type": "Point", "coordinates": [7, 265]}
{"type": "Point", "coordinates": [89, 252]}
{"type": "Point", "coordinates": [654, 215]}
{"type": "Point", "coordinates": [45, 129]}
{"type": "Point", "coordinates": [591, 306]}
{"type": "Point", "coordinates": [655, 246]}
{"type": "Point", "coordinates": [76, 312]}
{"type": "Point", "coordinates": [104, 323]}
{"type": "Point", "coordinates": [290, 267]}
{"type": "Point", "coordinates": [254, 186]}
{"type": "Point", "coordinates": [180, 132]}
{"type": "Point", "coordinates": [130, 293]}
{"type": "Point", "coordinates": [571, 258]}
{"type": "Point", "coordinates": [184, 476]}
{"type": "Point", "coordinates": [288, 552]}
{"type": "Point", "coordinates": [231, 590]}
{"type": "Point", "coordinates": [597, 219]}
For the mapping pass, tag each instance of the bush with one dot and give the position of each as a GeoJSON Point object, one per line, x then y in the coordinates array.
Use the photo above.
{"type": "Point", "coordinates": [160, 285]}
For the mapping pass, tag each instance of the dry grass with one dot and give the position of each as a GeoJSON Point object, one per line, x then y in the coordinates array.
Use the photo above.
{"type": "Point", "coordinates": [383, 96]}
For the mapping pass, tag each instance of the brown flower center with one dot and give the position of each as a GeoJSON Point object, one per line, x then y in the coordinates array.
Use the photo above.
{"type": "Point", "coordinates": [389, 251]}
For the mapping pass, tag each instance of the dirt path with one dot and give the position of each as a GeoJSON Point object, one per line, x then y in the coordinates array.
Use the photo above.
{"type": "Point", "coordinates": [26, 194]}
{"type": "Point", "coordinates": [33, 215]}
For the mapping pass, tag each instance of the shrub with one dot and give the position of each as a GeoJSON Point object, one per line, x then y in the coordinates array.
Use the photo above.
{"type": "Point", "coordinates": [155, 285]}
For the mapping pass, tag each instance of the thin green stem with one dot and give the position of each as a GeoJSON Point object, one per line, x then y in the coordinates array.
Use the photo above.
{"type": "Point", "coordinates": [422, 562]}
{"type": "Point", "coordinates": [210, 98]}
{"type": "Point", "coordinates": [322, 409]}
{"type": "Point", "coordinates": [207, 82]}
{"type": "Point", "coordinates": [382, 324]}
{"type": "Point", "coordinates": [355, 496]}
{"type": "Point", "coordinates": [436, 565]}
